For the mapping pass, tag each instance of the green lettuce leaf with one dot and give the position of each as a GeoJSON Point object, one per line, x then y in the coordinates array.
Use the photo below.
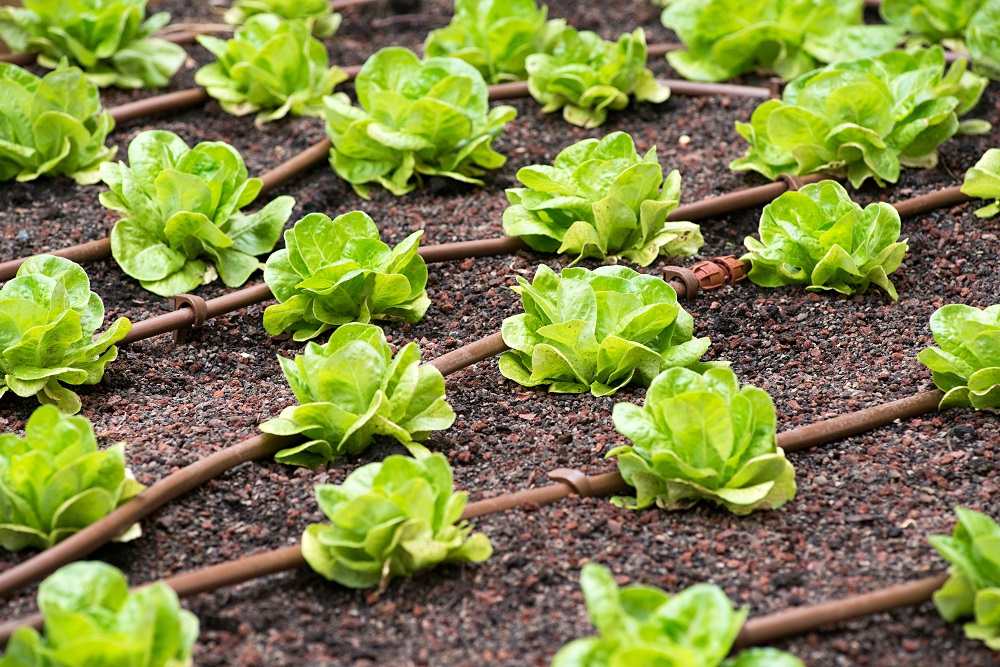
{"type": "Point", "coordinates": [271, 66]}
{"type": "Point", "coordinates": [181, 206]}
{"type": "Point", "coordinates": [601, 199]}
{"type": "Point", "coordinates": [819, 237]}
{"type": "Point", "coordinates": [48, 320]}
{"type": "Point", "coordinates": [332, 272]}
{"type": "Point", "coordinates": [726, 38]}
{"type": "Point", "coordinates": [429, 118]}
{"type": "Point", "coordinates": [91, 618]}
{"type": "Point", "coordinates": [391, 519]}
{"type": "Point", "coordinates": [973, 589]}
{"type": "Point", "coordinates": [597, 330]}
{"type": "Point", "coordinates": [967, 365]}
{"type": "Point", "coordinates": [55, 481]}
{"type": "Point", "coordinates": [585, 75]}
{"type": "Point", "coordinates": [643, 625]}
{"type": "Point", "coordinates": [352, 389]}
{"type": "Point", "coordinates": [317, 16]}
{"type": "Point", "coordinates": [51, 126]}
{"type": "Point", "coordinates": [110, 40]}
{"type": "Point", "coordinates": [983, 181]}
{"type": "Point", "coordinates": [983, 39]}
{"type": "Point", "coordinates": [863, 118]}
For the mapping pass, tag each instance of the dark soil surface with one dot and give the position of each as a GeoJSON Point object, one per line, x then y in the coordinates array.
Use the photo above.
{"type": "Point", "coordinates": [865, 505]}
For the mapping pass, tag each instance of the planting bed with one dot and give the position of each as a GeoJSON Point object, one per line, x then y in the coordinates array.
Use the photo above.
{"type": "Point", "coordinates": [864, 508]}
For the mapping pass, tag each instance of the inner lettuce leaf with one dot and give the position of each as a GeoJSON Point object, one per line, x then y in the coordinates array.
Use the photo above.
{"type": "Point", "coordinates": [317, 16]}
{"type": "Point", "coordinates": [983, 181]}
{"type": "Point", "coordinates": [966, 366]}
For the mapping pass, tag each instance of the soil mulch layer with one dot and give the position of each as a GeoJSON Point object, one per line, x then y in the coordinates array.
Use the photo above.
{"type": "Point", "coordinates": [865, 505]}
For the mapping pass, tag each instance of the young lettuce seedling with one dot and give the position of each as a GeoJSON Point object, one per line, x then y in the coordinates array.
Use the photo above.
{"type": "Point", "coordinates": [601, 199]}
{"type": "Point", "coordinates": [967, 365]}
{"type": "Point", "coordinates": [983, 181]}
{"type": "Point", "coordinates": [181, 207]}
{"type": "Point", "coordinates": [643, 625]}
{"type": "Point", "coordinates": [819, 237]}
{"type": "Point", "coordinates": [391, 519]}
{"type": "Point", "coordinates": [111, 40]}
{"type": "Point", "coordinates": [702, 437]}
{"type": "Point", "coordinates": [48, 317]}
{"type": "Point", "coordinates": [352, 389]}
{"type": "Point", "coordinates": [91, 618]}
{"type": "Point", "coordinates": [317, 16]}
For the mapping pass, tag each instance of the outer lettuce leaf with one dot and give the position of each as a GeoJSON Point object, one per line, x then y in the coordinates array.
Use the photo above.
{"type": "Point", "coordinates": [983, 181]}
{"type": "Point", "coordinates": [110, 40]}
{"type": "Point", "coordinates": [55, 481]}
{"type": "Point", "coordinates": [726, 38]}
{"type": "Point", "coordinates": [585, 75]}
{"type": "Point", "coordinates": [270, 66]}
{"type": "Point", "coordinates": [967, 365]}
{"type": "Point", "coordinates": [643, 625]}
{"type": "Point", "coordinates": [597, 330]}
{"type": "Point", "coordinates": [332, 272]}
{"type": "Point", "coordinates": [863, 118]}
{"type": "Point", "coordinates": [391, 519]}
{"type": "Point", "coordinates": [429, 118]}
{"type": "Point", "coordinates": [181, 206]}
{"type": "Point", "coordinates": [317, 16]}
{"type": "Point", "coordinates": [983, 39]}
{"type": "Point", "coordinates": [702, 437]}
{"type": "Point", "coordinates": [352, 389]}
{"type": "Point", "coordinates": [51, 126]}
{"type": "Point", "coordinates": [48, 320]}
{"type": "Point", "coordinates": [820, 238]}
{"type": "Point", "coordinates": [91, 618]}
{"type": "Point", "coordinates": [601, 199]}
{"type": "Point", "coordinates": [973, 589]}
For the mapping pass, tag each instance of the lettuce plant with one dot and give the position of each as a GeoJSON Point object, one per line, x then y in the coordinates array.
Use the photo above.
{"type": "Point", "coordinates": [332, 272]}
{"type": "Point", "coordinates": [92, 618]}
{"type": "Point", "coordinates": [391, 519]}
{"type": "Point", "coordinates": [315, 14]}
{"type": "Point", "coordinates": [601, 198]}
{"type": "Point", "coordinates": [352, 389]}
{"type": "Point", "coordinates": [726, 38]}
{"type": "Point", "coordinates": [820, 238]}
{"type": "Point", "coordinates": [967, 365]}
{"type": "Point", "coordinates": [983, 181]}
{"type": "Point", "coordinates": [111, 40]}
{"type": "Point", "coordinates": [643, 625]}
{"type": "Point", "coordinates": [55, 482]}
{"type": "Point", "coordinates": [585, 75]}
{"type": "Point", "coordinates": [51, 126]}
{"type": "Point", "coordinates": [181, 206]}
{"type": "Point", "coordinates": [270, 66]}
{"type": "Point", "coordinates": [973, 587]}
{"type": "Point", "coordinates": [494, 36]}
{"type": "Point", "coordinates": [703, 437]}
{"type": "Point", "coordinates": [429, 118]}
{"type": "Point", "coordinates": [864, 118]}
{"type": "Point", "coordinates": [48, 320]}
{"type": "Point", "coordinates": [596, 330]}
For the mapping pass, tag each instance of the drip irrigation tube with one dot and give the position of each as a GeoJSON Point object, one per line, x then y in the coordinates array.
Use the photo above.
{"type": "Point", "coordinates": [931, 201]}
{"type": "Point", "coordinates": [159, 104]}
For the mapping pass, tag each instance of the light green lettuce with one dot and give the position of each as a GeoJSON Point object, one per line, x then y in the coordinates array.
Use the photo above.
{"type": "Point", "coordinates": [51, 126]}
{"type": "Point", "coordinates": [91, 618]}
{"type": "Point", "coordinates": [315, 14]}
{"type": "Point", "coordinates": [973, 587]}
{"type": "Point", "coordinates": [332, 272]}
{"type": "Point", "coordinates": [391, 519]}
{"type": "Point", "coordinates": [643, 625]}
{"type": "Point", "coordinates": [983, 181]}
{"type": "Point", "coordinates": [181, 206]}
{"type": "Point", "coordinates": [585, 75]}
{"type": "Point", "coordinates": [596, 331]}
{"type": "Point", "coordinates": [271, 66]}
{"type": "Point", "coordinates": [819, 237]}
{"type": "Point", "coordinates": [48, 320]}
{"type": "Point", "coordinates": [601, 199]}
{"type": "Point", "coordinates": [55, 481]}
{"type": "Point", "coordinates": [111, 40]}
{"type": "Point", "coordinates": [702, 437]}
{"type": "Point", "coordinates": [967, 365]}
{"type": "Point", "coordinates": [417, 119]}
{"type": "Point", "coordinates": [352, 389]}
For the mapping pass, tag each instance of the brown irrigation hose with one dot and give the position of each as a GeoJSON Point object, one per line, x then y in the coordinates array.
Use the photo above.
{"type": "Point", "coordinates": [159, 104]}
{"type": "Point", "coordinates": [931, 201]}
{"type": "Point", "coordinates": [741, 199]}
